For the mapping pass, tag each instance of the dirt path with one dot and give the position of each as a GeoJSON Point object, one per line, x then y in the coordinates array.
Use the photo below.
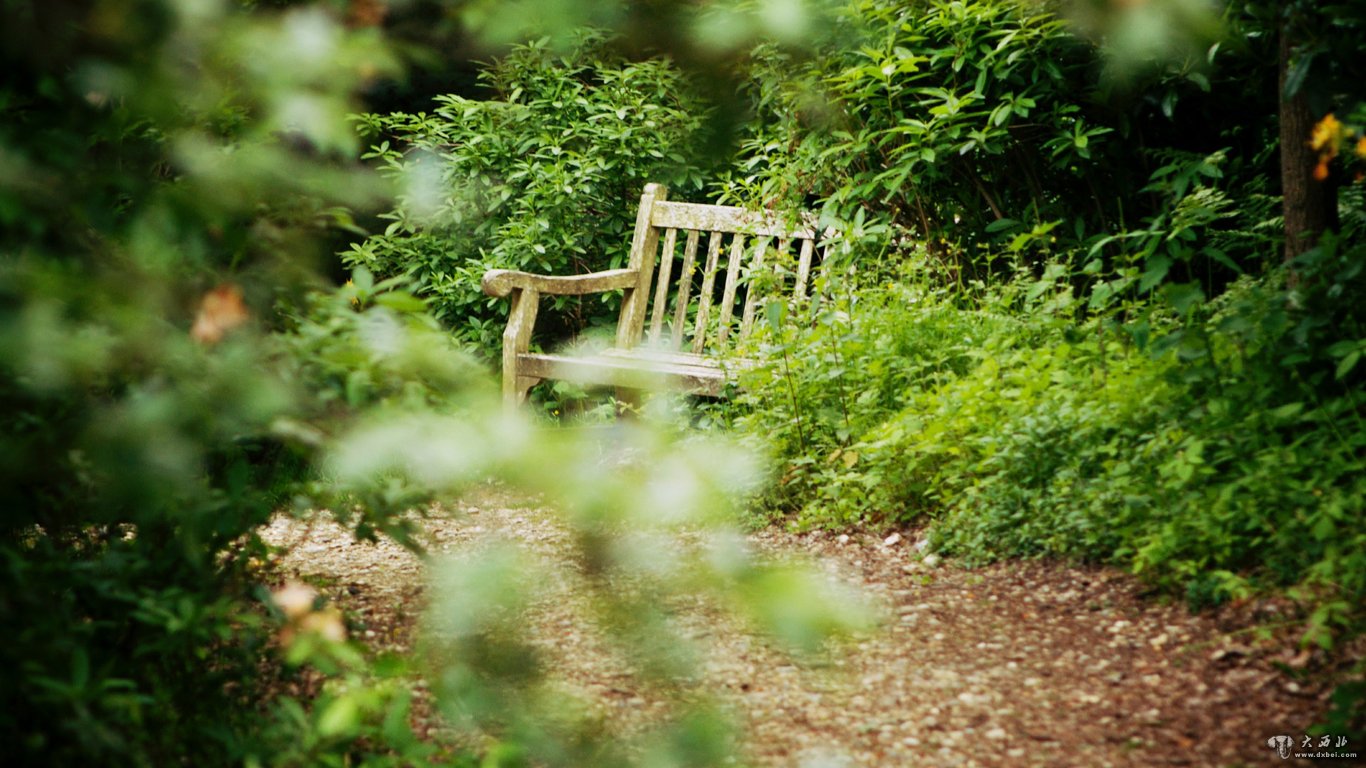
{"type": "Point", "coordinates": [1018, 664]}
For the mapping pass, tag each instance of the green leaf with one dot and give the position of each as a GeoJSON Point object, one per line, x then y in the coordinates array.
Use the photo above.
{"type": "Point", "coordinates": [362, 278]}
{"type": "Point", "coordinates": [340, 717]}
{"type": "Point", "coordinates": [1287, 411]}
{"type": "Point", "coordinates": [1158, 266]}
{"type": "Point", "coordinates": [401, 301]}
{"type": "Point", "coordinates": [773, 312]}
{"type": "Point", "coordinates": [1346, 364]}
{"type": "Point", "coordinates": [1184, 297]}
{"type": "Point", "coordinates": [1218, 255]}
{"type": "Point", "coordinates": [357, 387]}
{"type": "Point", "coordinates": [80, 669]}
{"type": "Point", "coordinates": [1139, 331]}
{"type": "Point", "coordinates": [1324, 529]}
{"type": "Point", "coordinates": [1101, 296]}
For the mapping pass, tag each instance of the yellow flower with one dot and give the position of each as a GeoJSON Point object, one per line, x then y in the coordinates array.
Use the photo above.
{"type": "Point", "coordinates": [1327, 136]}
{"type": "Point", "coordinates": [1361, 147]}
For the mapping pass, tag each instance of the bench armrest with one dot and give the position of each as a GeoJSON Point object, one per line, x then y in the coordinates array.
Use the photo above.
{"type": "Point", "coordinates": [501, 282]}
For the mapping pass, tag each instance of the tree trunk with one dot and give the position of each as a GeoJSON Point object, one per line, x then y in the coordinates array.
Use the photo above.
{"type": "Point", "coordinates": [1309, 205]}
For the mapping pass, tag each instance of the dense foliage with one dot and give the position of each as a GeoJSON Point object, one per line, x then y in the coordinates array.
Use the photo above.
{"type": "Point", "coordinates": [174, 371]}
{"type": "Point", "coordinates": [542, 177]}
{"type": "Point", "coordinates": [1060, 323]}
{"type": "Point", "coordinates": [1224, 451]}
{"type": "Point", "coordinates": [140, 172]}
{"type": "Point", "coordinates": [1078, 337]}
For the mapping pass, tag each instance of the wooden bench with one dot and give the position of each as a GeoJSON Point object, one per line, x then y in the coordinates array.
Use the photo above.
{"type": "Point", "coordinates": [692, 331]}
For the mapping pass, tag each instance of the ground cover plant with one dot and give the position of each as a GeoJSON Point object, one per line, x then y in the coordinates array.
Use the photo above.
{"type": "Point", "coordinates": [1134, 374]}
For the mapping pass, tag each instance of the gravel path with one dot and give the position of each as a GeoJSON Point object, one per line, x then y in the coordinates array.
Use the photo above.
{"type": "Point", "coordinates": [1017, 664]}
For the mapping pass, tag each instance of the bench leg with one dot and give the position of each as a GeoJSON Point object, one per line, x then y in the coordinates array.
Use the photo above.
{"type": "Point", "coordinates": [516, 341]}
{"type": "Point", "coordinates": [514, 394]}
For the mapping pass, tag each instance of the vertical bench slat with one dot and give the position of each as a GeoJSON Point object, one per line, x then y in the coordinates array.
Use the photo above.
{"type": "Point", "coordinates": [684, 288]}
{"type": "Point", "coordinates": [803, 270]}
{"type": "Point", "coordinates": [704, 300]}
{"type": "Point", "coordinates": [644, 243]}
{"type": "Point", "coordinates": [666, 263]}
{"type": "Point", "coordinates": [737, 255]}
{"type": "Point", "coordinates": [752, 295]}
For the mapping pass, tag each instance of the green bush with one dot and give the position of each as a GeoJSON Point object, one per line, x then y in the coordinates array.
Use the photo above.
{"type": "Point", "coordinates": [174, 371]}
{"type": "Point", "coordinates": [153, 211]}
{"type": "Point", "coordinates": [544, 176]}
{"type": "Point", "coordinates": [843, 371]}
{"type": "Point", "coordinates": [941, 117]}
{"type": "Point", "coordinates": [984, 131]}
{"type": "Point", "coordinates": [1221, 456]}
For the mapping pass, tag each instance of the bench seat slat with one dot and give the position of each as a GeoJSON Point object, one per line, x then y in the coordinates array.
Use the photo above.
{"type": "Point", "coordinates": [634, 371]}
{"type": "Point", "coordinates": [679, 358]}
{"type": "Point", "coordinates": [502, 282]}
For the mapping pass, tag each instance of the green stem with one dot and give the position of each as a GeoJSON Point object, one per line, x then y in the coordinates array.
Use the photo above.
{"type": "Point", "coordinates": [796, 407]}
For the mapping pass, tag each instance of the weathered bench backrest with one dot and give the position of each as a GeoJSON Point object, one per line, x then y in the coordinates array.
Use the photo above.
{"type": "Point", "coordinates": [764, 256]}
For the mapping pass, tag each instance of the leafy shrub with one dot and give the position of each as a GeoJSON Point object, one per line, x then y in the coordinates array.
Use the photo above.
{"type": "Point", "coordinates": [1219, 456]}
{"type": "Point", "coordinates": [841, 372]}
{"type": "Point", "coordinates": [983, 130]}
{"type": "Point", "coordinates": [149, 428]}
{"type": "Point", "coordinates": [372, 344]}
{"type": "Point", "coordinates": [544, 177]}
{"type": "Point", "coordinates": [168, 177]}
{"type": "Point", "coordinates": [1114, 386]}
{"type": "Point", "coordinates": [942, 117]}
